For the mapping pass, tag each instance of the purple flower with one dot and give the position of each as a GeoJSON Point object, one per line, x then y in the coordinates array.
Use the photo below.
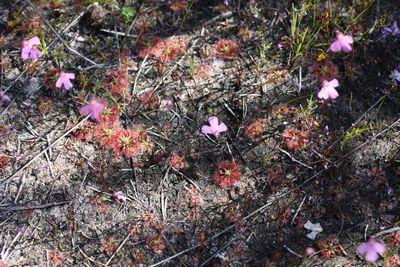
{"type": "Point", "coordinates": [226, 2]}
{"type": "Point", "coordinates": [396, 73]}
{"type": "Point", "coordinates": [371, 250]}
{"type": "Point", "coordinates": [93, 108]}
{"type": "Point", "coordinates": [343, 42]}
{"type": "Point", "coordinates": [167, 103]}
{"type": "Point", "coordinates": [215, 128]}
{"type": "Point", "coordinates": [392, 30]}
{"type": "Point", "coordinates": [119, 195]}
{"type": "Point", "coordinates": [328, 89]}
{"type": "Point", "coordinates": [30, 48]}
{"type": "Point", "coordinates": [64, 79]}
{"type": "Point", "coordinates": [4, 98]}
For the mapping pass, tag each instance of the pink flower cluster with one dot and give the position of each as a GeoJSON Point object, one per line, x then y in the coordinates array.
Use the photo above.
{"type": "Point", "coordinates": [342, 43]}
{"type": "Point", "coordinates": [30, 48]}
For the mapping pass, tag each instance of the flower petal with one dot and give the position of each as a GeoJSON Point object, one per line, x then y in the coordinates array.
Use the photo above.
{"type": "Point", "coordinates": [34, 41]}
{"type": "Point", "coordinates": [379, 247]}
{"type": "Point", "coordinates": [213, 120]}
{"type": "Point", "coordinates": [332, 93]}
{"type": "Point", "coordinates": [362, 249]}
{"type": "Point", "coordinates": [222, 127]}
{"type": "Point", "coordinates": [323, 94]}
{"type": "Point", "coordinates": [334, 83]}
{"type": "Point", "coordinates": [371, 256]}
{"type": "Point", "coordinates": [59, 82]}
{"type": "Point", "coordinates": [348, 39]}
{"type": "Point", "coordinates": [206, 129]}
{"type": "Point", "coordinates": [336, 46]}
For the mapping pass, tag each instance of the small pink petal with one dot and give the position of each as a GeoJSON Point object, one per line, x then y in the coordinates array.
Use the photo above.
{"type": "Point", "coordinates": [222, 127]}
{"type": "Point", "coordinates": [333, 94]}
{"type": "Point", "coordinates": [34, 41]}
{"type": "Point", "coordinates": [334, 83]}
{"type": "Point", "coordinates": [206, 129]}
{"type": "Point", "coordinates": [362, 249]}
{"type": "Point", "coordinates": [323, 94]}
{"type": "Point", "coordinates": [70, 76]}
{"type": "Point", "coordinates": [346, 47]}
{"type": "Point", "coordinates": [213, 120]}
{"type": "Point", "coordinates": [379, 247]}
{"type": "Point", "coordinates": [59, 82]}
{"type": "Point", "coordinates": [336, 46]}
{"type": "Point", "coordinates": [348, 39]}
{"type": "Point", "coordinates": [371, 256]}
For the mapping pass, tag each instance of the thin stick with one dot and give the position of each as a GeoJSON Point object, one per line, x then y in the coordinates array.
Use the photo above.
{"type": "Point", "coordinates": [118, 249]}
{"type": "Point", "coordinates": [44, 206]}
{"type": "Point", "coordinates": [43, 151]}
{"type": "Point", "coordinates": [295, 160]}
{"type": "Point", "coordinates": [387, 231]}
{"type": "Point", "coordinates": [298, 210]}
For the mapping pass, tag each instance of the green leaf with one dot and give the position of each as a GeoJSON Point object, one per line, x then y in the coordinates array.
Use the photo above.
{"type": "Point", "coordinates": [128, 13]}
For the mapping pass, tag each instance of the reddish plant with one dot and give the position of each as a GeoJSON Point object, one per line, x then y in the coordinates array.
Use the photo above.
{"type": "Point", "coordinates": [394, 261]}
{"type": "Point", "coordinates": [164, 50]}
{"type": "Point", "coordinates": [84, 133]}
{"type": "Point", "coordinates": [178, 161]}
{"type": "Point", "coordinates": [329, 247]}
{"type": "Point", "coordinates": [149, 99]}
{"type": "Point", "coordinates": [276, 175]}
{"type": "Point", "coordinates": [4, 161]}
{"type": "Point", "coordinates": [109, 245]}
{"type": "Point", "coordinates": [226, 49]}
{"type": "Point", "coordinates": [277, 75]}
{"type": "Point", "coordinates": [127, 143]}
{"type": "Point", "coordinates": [110, 114]}
{"type": "Point", "coordinates": [169, 49]}
{"type": "Point", "coordinates": [395, 239]}
{"type": "Point", "coordinates": [228, 173]}
{"type": "Point", "coordinates": [325, 69]}
{"type": "Point", "coordinates": [194, 195]}
{"type": "Point", "coordinates": [177, 5]}
{"type": "Point", "coordinates": [55, 257]}
{"type": "Point", "coordinates": [377, 175]}
{"type": "Point", "coordinates": [155, 243]}
{"type": "Point", "coordinates": [202, 72]}
{"type": "Point", "coordinates": [256, 129]}
{"type": "Point", "coordinates": [51, 78]}
{"type": "Point", "coordinates": [295, 139]}
{"type": "Point", "coordinates": [45, 105]}
{"type": "Point", "coordinates": [284, 110]}
{"type": "Point", "coordinates": [106, 134]}
{"type": "Point", "coordinates": [118, 83]}
{"type": "Point", "coordinates": [146, 46]}
{"type": "Point", "coordinates": [145, 143]}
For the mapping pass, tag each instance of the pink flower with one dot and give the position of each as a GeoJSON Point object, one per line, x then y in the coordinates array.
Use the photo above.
{"type": "Point", "coordinates": [215, 128]}
{"type": "Point", "coordinates": [119, 195]}
{"type": "Point", "coordinates": [343, 42]}
{"type": "Point", "coordinates": [64, 79]}
{"type": "Point", "coordinates": [93, 108]}
{"type": "Point", "coordinates": [328, 89]}
{"type": "Point", "coordinates": [167, 103]}
{"type": "Point", "coordinates": [4, 98]}
{"type": "Point", "coordinates": [30, 48]}
{"type": "Point", "coordinates": [371, 250]}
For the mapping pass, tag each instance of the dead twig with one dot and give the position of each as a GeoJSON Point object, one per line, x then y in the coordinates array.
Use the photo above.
{"type": "Point", "coordinates": [44, 206]}
{"type": "Point", "coordinates": [295, 160]}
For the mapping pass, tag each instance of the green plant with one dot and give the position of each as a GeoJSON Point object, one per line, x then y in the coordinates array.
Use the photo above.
{"type": "Point", "coordinates": [312, 105]}
{"type": "Point", "coordinates": [128, 13]}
